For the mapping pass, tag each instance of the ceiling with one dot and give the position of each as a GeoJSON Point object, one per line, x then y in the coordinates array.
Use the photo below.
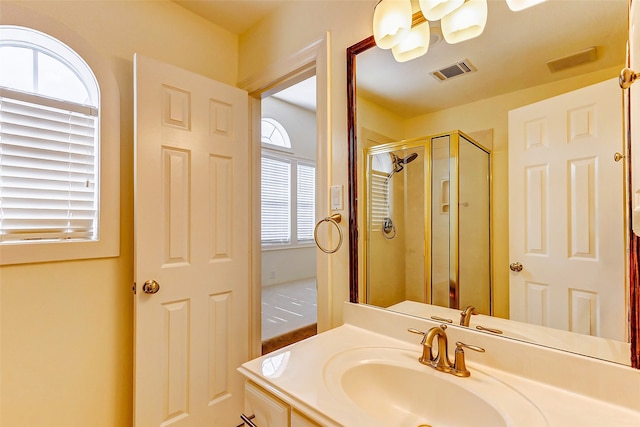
{"type": "Point", "coordinates": [510, 55]}
{"type": "Point", "coordinates": [236, 16]}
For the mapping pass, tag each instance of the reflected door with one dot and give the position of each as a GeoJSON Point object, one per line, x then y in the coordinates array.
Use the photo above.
{"type": "Point", "coordinates": [569, 236]}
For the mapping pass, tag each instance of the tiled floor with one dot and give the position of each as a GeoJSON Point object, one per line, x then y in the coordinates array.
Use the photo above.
{"type": "Point", "coordinates": [287, 307]}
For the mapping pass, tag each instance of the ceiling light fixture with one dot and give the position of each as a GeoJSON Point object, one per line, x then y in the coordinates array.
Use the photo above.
{"type": "Point", "coordinates": [391, 22]}
{"type": "Point", "coordinates": [434, 10]}
{"type": "Point", "coordinates": [518, 5]}
{"type": "Point", "coordinates": [395, 27]}
{"type": "Point", "coordinates": [466, 22]}
{"type": "Point", "coordinates": [414, 45]}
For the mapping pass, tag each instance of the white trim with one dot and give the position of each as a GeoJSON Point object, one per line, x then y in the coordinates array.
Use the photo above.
{"type": "Point", "coordinates": [313, 59]}
{"type": "Point", "coordinates": [48, 102]}
{"type": "Point", "coordinates": [109, 217]}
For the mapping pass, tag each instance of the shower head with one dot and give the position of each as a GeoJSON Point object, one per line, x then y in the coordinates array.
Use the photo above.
{"type": "Point", "coordinates": [410, 158]}
{"type": "Point", "coordinates": [399, 162]}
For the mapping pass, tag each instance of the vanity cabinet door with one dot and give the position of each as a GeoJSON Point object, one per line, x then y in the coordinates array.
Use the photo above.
{"type": "Point", "coordinates": [299, 420]}
{"type": "Point", "coordinates": [268, 411]}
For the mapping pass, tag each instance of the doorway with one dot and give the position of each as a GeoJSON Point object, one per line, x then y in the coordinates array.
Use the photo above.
{"type": "Point", "coordinates": [287, 214]}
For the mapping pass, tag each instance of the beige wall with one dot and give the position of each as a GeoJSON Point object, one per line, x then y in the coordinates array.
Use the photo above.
{"type": "Point", "coordinates": [67, 327]}
{"type": "Point", "coordinates": [288, 265]}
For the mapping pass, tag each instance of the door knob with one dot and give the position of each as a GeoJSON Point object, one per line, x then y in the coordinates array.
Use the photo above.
{"type": "Point", "coordinates": [150, 287]}
{"type": "Point", "coordinates": [627, 78]}
{"type": "Point", "coordinates": [515, 266]}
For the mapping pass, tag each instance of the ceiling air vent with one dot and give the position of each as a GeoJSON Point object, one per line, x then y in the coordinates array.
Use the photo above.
{"type": "Point", "coordinates": [583, 57]}
{"type": "Point", "coordinates": [455, 70]}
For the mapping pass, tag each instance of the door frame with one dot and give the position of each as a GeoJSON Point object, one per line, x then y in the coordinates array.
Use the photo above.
{"type": "Point", "coordinates": [310, 60]}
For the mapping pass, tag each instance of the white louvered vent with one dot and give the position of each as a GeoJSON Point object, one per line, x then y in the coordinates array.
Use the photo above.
{"type": "Point", "coordinates": [380, 203]}
{"type": "Point", "coordinates": [458, 69]}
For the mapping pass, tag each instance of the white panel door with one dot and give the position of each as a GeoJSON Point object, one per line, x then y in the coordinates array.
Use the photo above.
{"type": "Point", "coordinates": [566, 212]}
{"type": "Point", "coordinates": [191, 238]}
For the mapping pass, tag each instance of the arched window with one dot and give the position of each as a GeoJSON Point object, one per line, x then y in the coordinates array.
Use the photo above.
{"type": "Point", "coordinates": [274, 133]}
{"type": "Point", "coordinates": [49, 140]}
{"type": "Point", "coordinates": [287, 190]}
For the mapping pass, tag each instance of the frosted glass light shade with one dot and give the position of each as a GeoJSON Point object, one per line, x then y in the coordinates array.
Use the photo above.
{"type": "Point", "coordinates": [414, 45]}
{"type": "Point", "coordinates": [517, 5]}
{"type": "Point", "coordinates": [391, 22]}
{"type": "Point", "coordinates": [434, 10]}
{"type": "Point", "coordinates": [466, 22]}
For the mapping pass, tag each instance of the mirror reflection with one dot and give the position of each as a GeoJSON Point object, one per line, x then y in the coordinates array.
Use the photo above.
{"type": "Point", "coordinates": [428, 215]}
{"type": "Point", "coordinates": [541, 102]}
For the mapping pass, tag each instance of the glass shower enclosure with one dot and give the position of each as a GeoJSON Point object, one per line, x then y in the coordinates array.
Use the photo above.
{"type": "Point", "coordinates": [428, 233]}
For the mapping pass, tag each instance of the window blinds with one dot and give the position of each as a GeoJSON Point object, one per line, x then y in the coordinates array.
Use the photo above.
{"type": "Point", "coordinates": [48, 158]}
{"type": "Point", "coordinates": [275, 200]}
{"type": "Point", "coordinates": [380, 199]}
{"type": "Point", "coordinates": [306, 202]}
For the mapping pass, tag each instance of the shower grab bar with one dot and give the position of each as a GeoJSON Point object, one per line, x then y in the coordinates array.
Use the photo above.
{"type": "Point", "coordinates": [333, 219]}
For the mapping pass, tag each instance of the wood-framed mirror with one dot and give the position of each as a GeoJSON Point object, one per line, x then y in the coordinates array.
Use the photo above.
{"type": "Point", "coordinates": [549, 85]}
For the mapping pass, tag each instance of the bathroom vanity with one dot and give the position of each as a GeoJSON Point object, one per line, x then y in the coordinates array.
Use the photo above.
{"type": "Point", "coordinates": [366, 372]}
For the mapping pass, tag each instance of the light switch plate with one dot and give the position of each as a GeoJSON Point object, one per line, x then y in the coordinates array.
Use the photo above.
{"type": "Point", "coordinates": [336, 198]}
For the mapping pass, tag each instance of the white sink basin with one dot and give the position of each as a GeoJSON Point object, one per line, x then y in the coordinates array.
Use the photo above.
{"type": "Point", "coordinates": [389, 387]}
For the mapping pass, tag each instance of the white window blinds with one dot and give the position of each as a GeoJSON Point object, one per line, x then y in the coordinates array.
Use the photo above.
{"type": "Point", "coordinates": [48, 178]}
{"type": "Point", "coordinates": [275, 200]}
{"type": "Point", "coordinates": [306, 203]}
{"type": "Point", "coordinates": [380, 203]}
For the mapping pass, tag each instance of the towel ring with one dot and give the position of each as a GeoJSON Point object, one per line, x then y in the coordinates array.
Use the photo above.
{"type": "Point", "coordinates": [333, 219]}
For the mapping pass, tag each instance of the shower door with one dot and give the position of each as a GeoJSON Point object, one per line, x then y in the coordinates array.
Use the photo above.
{"type": "Point", "coordinates": [460, 223]}
{"type": "Point", "coordinates": [395, 236]}
{"type": "Point", "coordinates": [474, 239]}
{"type": "Point", "coordinates": [428, 229]}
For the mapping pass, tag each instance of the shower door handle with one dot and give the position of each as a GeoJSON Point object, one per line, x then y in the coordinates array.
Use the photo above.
{"type": "Point", "coordinates": [515, 266]}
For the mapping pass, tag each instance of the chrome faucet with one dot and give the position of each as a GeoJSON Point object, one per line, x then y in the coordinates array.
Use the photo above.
{"type": "Point", "coordinates": [465, 315]}
{"type": "Point", "coordinates": [440, 361]}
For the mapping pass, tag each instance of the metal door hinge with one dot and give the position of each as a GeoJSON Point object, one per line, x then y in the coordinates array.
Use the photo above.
{"type": "Point", "coordinates": [134, 288]}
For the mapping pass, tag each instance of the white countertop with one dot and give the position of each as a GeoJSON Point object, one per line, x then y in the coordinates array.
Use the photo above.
{"type": "Point", "coordinates": [296, 375]}
{"type": "Point", "coordinates": [601, 348]}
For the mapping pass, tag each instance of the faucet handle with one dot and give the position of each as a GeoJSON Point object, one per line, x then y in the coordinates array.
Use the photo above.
{"type": "Point", "coordinates": [415, 331]}
{"type": "Point", "coordinates": [424, 334]}
{"type": "Point", "coordinates": [426, 351]}
{"type": "Point", "coordinates": [460, 344]}
{"type": "Point", "coordinates": [459, 365]}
